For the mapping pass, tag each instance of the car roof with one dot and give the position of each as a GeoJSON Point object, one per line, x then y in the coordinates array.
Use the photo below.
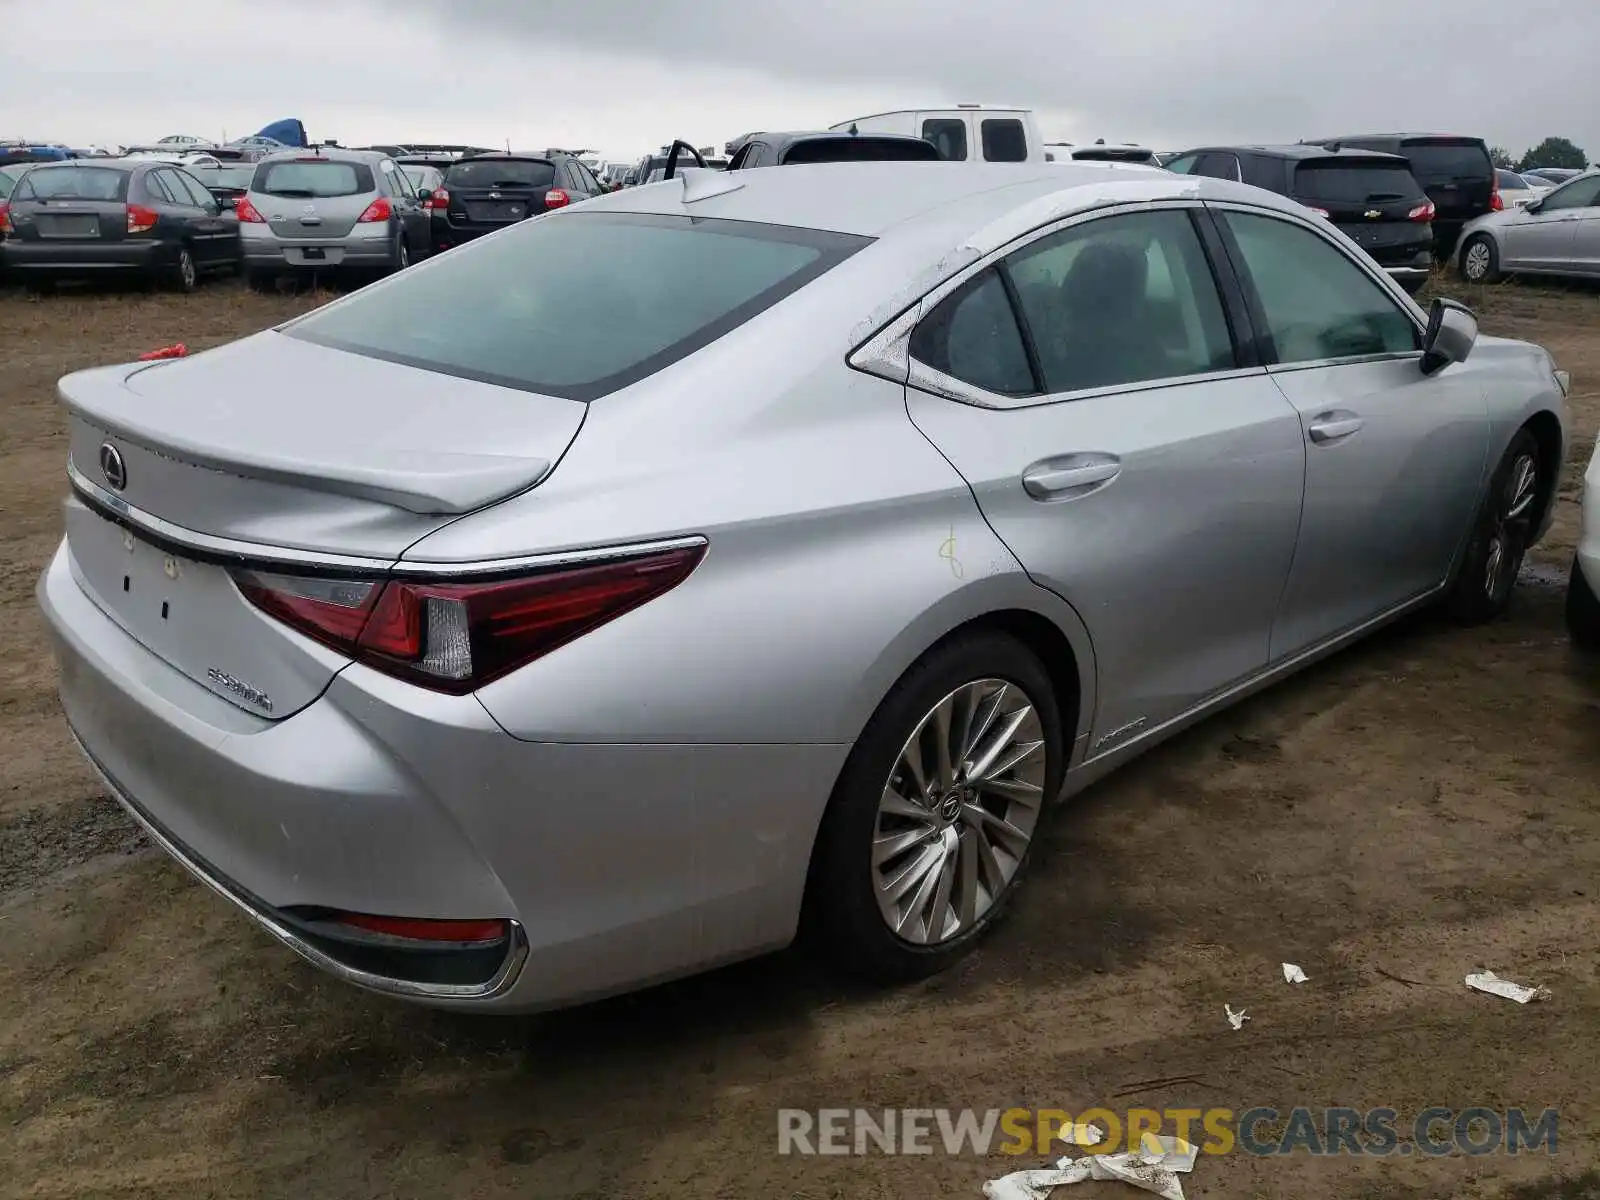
{"type": "Point", "coordinates": [788, 137]}
{"type": "Point", "coordinates": [113, 164]}
{"type": "Point", "coordinates": [513, 156]}
{"type": "Point", "coordinates": [1401, 137]}
{"type": "Point", "coordinates": [871, 198]}
{"type": "Point", "coordinates": [1300, 150]}
{"type": "Point", "coordinates": [330, 153]}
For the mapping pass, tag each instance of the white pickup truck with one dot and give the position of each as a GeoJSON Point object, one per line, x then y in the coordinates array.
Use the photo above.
{"type": "Point", "coordinates": [965, 133]}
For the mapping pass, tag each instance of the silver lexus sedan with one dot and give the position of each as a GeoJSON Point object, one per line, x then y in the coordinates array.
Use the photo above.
{"type": "Point", "coordinates": [746, 555]}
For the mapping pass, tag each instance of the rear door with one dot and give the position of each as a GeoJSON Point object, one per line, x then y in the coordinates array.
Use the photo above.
{"type": "Point", "coordinates": [1121, 450]}
{"type": "Point", "coordinates": [1586, 240]}
{"type": "Point", "coordinates": [1547, 240]}
{"type": "Point", "coordinates": [1394, 458]}
{"type": "Point", "coordinates": [215, 234]}
{"type": "Point", "coordinates": [951, 134]}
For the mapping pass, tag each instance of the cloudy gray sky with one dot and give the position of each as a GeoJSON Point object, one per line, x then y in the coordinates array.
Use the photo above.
{"type": "Point", "coordinates": [624, 76]}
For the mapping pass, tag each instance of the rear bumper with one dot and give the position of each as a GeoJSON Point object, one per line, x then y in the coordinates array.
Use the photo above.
{"type": "Point", "coordinates": [267, 252]}
{"type": "Point", "coordinates": [444, 234]}
{"type": "Point", "coordinates": [88, 256]}
{"type": "Point", "coordinates": [620, 865]}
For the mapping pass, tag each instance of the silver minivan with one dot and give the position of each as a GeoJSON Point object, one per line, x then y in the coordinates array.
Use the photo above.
{"type": "Point", "coordinates": [329, 209]}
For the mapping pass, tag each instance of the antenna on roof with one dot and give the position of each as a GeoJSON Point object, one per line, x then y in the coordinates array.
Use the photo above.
{"type": "Point", "coordinates": [1099, 141]}
{"type": "Point", "coordinates": [508, 145]}
{"type": "Point", "coordinates": [853, 129]}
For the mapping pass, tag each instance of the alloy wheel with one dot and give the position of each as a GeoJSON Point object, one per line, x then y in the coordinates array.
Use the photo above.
{"type": "Point", "coordinates": [1477, 261]}
{"type": "Point", "coordinates": [1513, 513]}
{"type": "Point", "coordinates": [186, 271]}
{"type": "Point", "coordinates": [958, 811]}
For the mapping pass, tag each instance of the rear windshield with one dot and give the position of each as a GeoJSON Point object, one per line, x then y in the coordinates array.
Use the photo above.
{"type": "Point", "coordinates": [313, 179]}
{"type": "Point", "coordinates": [1444, 161]}
{"type": "Point", "coordinates": [500, 172]}
{"type": "Point", "coordinates": [1355, 182]}
{"type": "Point", "coordinates": [1509, 180]}
{"type": "Point", "coordinates": [73, 183]}
{"type": "Point", "coordinates": [229, 176]}
{"type": "Point", "coordinates": [860, 149]}
{"type": "Point", "coordinates": [1113, 154]}
{"type": "Point", "coordinates": [578, 304]}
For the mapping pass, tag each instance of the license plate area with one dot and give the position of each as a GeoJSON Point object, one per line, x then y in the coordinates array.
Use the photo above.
{"type": "Point", "coordinates": [503, 210]}
{"type": "Point", "coordinates": [314, 253]}
{"type": "Point", "coordinates": [64, 226]}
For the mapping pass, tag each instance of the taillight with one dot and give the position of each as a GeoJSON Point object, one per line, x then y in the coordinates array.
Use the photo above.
{"type": "Point", "coordinates": [141, 219]}
{"type": "Point", "coordinates": [248, 212]}
{"type": "Point", "coordinates": [1423, 211]}
{"type": "Point", "coordinates": [1497, 202]}
{"type": "Point", "coordinates": [1321, 212]}
{"type": "Point", "coordinates": [440, 199]}
{"type": "Point", "coordinates": [556, 198]}
{"type": "Point", "coordinates": [5, 217]}
{"type": "Point", "coordinates": [379, 210]}
{"type": "Point", "coordinates": [457, 636]}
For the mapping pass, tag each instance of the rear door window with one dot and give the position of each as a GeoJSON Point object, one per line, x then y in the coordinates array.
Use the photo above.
{"type": "Point", "coordinates": [973, 336]}
{"type": "Point", "coordinates": [1448, 161]}
{"type": "Point", "coordinates": [579, 304]}
{"type": "Point", "coordinates": [321, 179]}
{"type": "Point", "coordinates": [502, 172]}
{"type": "Point", "coordinates": [1356, 182]}
{"type": "Point", "coordinates": [948, 135]}
{"type": "Point", "coordinates": [1217, 164]}
{"type": "Point", "coordinates": [1122, 300]}
{"type": "Point", "coordinates": [1004, 140]}
{"type": "Point", "coordinates": [199, 195]}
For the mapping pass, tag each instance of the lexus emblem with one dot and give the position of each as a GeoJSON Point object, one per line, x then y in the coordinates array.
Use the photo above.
{"type": "Point", "coordinates": [112, 467]}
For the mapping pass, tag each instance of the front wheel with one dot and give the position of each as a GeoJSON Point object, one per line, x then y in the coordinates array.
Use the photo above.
{"type": "Point", "coordinates": [1480, 261]}
{"type": "Point", "coordinates": [932, 821]}
{"type": "Point", "coordinates": [1501, 534]}
{"type": "Point", "coordinates": [1583, 611]}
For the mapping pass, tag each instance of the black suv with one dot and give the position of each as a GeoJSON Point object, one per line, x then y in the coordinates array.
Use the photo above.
{"type": "Point", "coordinates": [1456, 172]}
{"type": "Point", "coordinates": [823, 146]}
{"type": "Point", "coordinates": [1372, 198]}
{"type": "Point", "coordinates": [485, 192]}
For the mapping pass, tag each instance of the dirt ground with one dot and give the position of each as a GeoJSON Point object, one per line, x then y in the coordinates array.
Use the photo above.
{"type": "Point", "coordinates": [1423, 806]}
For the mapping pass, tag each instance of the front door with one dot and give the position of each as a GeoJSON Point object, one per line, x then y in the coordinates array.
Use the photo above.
{"type": "Point", "coordinates": [1546, 240]}
{"type": "Point", "coordinates": [1116, 446]}
{"type": "Point", "coordinates": [1395, 459]}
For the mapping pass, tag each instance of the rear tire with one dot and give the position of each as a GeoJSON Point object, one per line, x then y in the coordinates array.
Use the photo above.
{"type": "Point", "coordinates": [185, 276]}
{"type": "Point", "coordinates": [402, 254]}
{"type": "Point", "coordinates": [1502, 531]}
{"type": "Point", "coordinates": [1583, 612]}
{"type": "Point", "coordinates": [962, 848]}
{"type": "Point", "coordinates": [1480, 261]}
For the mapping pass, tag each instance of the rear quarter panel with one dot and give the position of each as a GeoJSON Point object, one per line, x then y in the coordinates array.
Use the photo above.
{"type": "Point", "coordinates": [841, 546]}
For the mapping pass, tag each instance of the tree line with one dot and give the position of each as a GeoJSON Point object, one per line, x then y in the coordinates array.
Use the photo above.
{"type": "Point", "coordinates": [1552, 152]}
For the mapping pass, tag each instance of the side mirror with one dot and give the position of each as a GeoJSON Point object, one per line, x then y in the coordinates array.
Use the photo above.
{"type": "Point", "coordinates": [1533, 205]}
{"type": "Point", "coordinates": [1452, 330]}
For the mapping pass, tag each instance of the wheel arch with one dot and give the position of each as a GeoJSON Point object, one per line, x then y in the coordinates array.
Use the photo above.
{"type": "Point", "coordinates": [1546, 429]}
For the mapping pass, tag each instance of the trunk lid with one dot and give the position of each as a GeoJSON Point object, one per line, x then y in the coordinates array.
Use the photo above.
{"type": "Point", "coordinates": [71, 204]}
{"type": "Point", "coordinates": [1456, 173]}
{"type": "Point", "coordinates": [312, 198]}
{"type": "Point", "coordinates": [498, 191]}
{"type": "Point", "coordinates": [291, 446]}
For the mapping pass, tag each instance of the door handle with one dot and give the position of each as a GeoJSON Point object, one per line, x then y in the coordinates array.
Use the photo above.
{"type": "Point", "coordinates": [1069, 476]}
{"type": "Point", "coordinates": [1333, 426]}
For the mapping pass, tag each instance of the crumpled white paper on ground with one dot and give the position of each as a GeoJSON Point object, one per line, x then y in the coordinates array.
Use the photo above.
{"type": "Point", "coordinates": [1293, 974]}
{"type": "Point", "coordinates": [1236, 1019]}
{"type": "Point", "coordinates": [1489, 982]}
{"type": "Point", "coordinates": [1152, 1170]}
